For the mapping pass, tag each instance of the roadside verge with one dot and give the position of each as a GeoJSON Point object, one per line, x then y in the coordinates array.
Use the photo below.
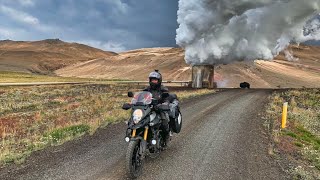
{"type": "Point", "coordinates": [299, 143]}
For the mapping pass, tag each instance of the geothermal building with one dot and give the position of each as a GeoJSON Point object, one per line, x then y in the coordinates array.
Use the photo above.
{"type": "Point", "coordinates": [203, 76]}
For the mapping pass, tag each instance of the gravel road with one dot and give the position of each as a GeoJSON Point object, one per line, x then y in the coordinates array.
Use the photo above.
{"type": "Point", "coordinates": [223, 137]}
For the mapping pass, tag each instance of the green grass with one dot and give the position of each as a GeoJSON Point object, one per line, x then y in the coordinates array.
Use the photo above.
{"type": "Point", "coordinates": [58, 135]}
{"type": "Point", "coordinates": [30, 115]}
{"type": "Point", "coordinates": [291, 134]}
{"type": "Point", "coordinates": [21, 77]}
{"type": "Point", "coordinates": [299, 144]}
{"type": "Point", "coordinates": [303, 136]}
{"type": "Point", "coordinates": [308, 137]}
{"type": "Point", "coordinates": [303, 126]}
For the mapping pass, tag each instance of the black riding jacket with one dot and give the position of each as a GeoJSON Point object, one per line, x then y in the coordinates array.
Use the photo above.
{"type": "Point", "coordinates": [157, 93]}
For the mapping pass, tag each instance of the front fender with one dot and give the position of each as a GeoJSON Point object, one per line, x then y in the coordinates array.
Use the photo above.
{"type": "Point", "coordinates": [136, 138]}
{"type": "Point", "coordinates": [143, 144]}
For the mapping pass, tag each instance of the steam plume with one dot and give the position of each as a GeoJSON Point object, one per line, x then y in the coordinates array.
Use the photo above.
{"type": "Point", "coordinates": [222, 31]}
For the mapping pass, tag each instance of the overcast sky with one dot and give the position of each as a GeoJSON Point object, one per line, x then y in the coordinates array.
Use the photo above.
{"type": "Point", "coordinates": [113, 25]}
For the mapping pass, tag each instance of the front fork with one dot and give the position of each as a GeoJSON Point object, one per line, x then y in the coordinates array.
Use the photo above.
{"type": "Point", "coordinates": [145, 134]}
{"type": "Point", "coordinates": [143, 142]}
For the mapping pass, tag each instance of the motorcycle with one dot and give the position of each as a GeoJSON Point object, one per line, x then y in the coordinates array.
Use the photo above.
{"type": "Point", "coordinates": [145, 134]}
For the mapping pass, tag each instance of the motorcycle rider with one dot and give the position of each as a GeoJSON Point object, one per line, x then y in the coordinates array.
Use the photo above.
{"type": "Point", "coordinates": [157, 89]}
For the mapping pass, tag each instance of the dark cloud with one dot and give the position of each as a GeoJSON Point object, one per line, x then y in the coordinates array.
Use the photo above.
{"type": "Point", "coordinates": [108, 24]}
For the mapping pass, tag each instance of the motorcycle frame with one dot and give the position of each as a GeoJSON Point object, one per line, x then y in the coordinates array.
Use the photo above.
{"type": "Point", "coordinates": [142, 131]}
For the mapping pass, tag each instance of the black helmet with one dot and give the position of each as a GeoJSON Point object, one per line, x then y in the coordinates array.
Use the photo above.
{"type": "Point", "coordinates": [155, 75]}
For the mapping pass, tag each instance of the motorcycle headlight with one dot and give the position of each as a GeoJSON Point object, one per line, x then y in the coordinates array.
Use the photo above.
{"type": "Point", "coordinates": [137, 115]}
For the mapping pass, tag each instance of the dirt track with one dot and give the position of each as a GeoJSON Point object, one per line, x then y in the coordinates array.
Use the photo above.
{"type": "Point", "coordinates": [222, 138]}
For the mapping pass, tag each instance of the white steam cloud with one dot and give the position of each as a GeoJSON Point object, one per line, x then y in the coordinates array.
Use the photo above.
{"type": "Point", "coordinates": [222, 31]}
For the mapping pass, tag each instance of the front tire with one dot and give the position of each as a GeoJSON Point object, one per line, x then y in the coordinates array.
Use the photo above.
{"type": "Point", "coordinates": [134, 160]}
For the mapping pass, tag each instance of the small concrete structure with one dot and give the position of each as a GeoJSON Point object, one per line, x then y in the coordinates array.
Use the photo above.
{"type": "Point", "coordinates": [203, 76]}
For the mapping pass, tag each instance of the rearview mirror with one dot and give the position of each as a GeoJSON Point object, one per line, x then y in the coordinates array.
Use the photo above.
{"type": "Point", "coordinates": [130, 94]}
{"type": "Point", "coordinates": [126, 106]}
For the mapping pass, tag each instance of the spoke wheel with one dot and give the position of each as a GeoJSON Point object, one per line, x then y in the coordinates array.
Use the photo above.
{"type": "Point", "coordinates": [134, 160]}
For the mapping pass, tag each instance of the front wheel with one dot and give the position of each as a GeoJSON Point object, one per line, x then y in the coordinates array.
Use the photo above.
{"type": "Point", "coordinates": [134, 160]}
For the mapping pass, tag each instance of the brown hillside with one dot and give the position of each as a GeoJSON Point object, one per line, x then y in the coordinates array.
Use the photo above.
{"type": "Point", "coordinates": [44, 56]}
{"type": "Point", "coordinates": [136, 64]}
{"type": "Point", "coordinates": [133, 65]}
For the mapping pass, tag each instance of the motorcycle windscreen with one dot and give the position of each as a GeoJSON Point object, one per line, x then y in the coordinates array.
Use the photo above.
{"type": "Point", "coordinates": [142, 98]}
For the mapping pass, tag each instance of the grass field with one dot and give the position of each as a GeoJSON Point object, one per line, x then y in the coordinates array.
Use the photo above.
{"type": "Point", "coordinates": [300, 141]}
{"type": "Point", "coordinates": [32, 118]}
{"type": "Point", "coordinates": [20, 77]}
